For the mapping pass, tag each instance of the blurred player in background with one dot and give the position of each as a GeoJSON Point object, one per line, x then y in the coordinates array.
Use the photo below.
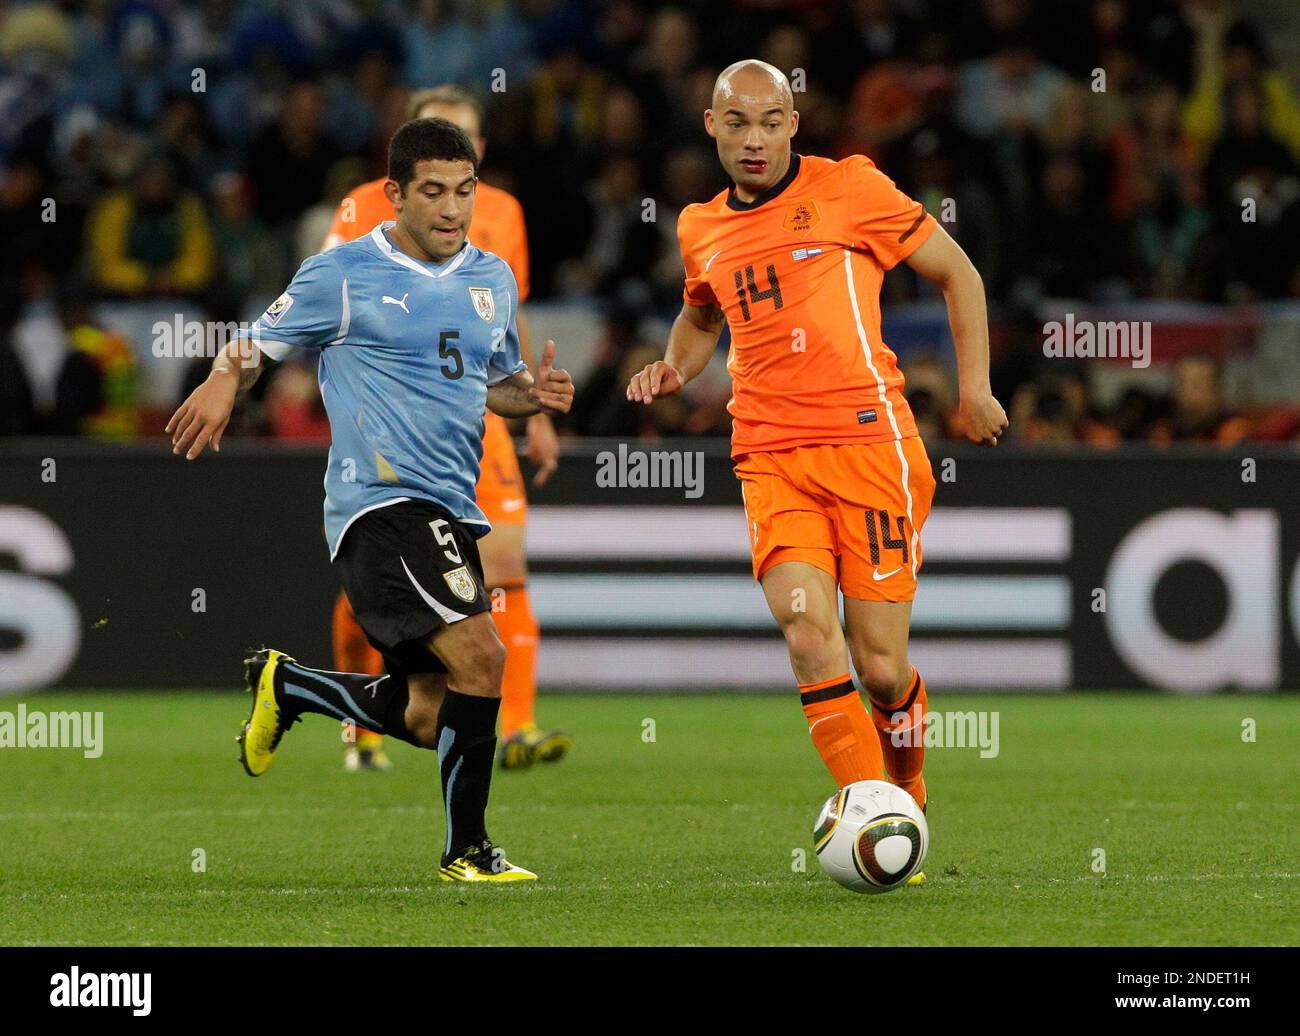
{"type": "Point", "coordinates": [499, 228]}
{"type": "Point", "coordinates": [835, 480]}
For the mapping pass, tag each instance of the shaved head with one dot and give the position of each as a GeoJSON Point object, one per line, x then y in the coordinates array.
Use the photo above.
{"type": "Point", "coordinates": [752, 81]}
{"type": "Point", "coordinates": [752, 119]}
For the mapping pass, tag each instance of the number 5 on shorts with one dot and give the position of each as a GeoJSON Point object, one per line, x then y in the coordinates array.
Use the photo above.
{"type": "Point", "coordinates": [446, 539]}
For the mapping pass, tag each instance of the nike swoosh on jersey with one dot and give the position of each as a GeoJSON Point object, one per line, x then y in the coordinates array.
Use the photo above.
{"type": "Point", "coordinates": [711, 258]}
{"type": "Point", "coordinates": [877, 576]}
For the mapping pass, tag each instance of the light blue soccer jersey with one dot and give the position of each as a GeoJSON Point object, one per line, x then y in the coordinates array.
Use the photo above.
{"type": "Point", "coordinates": [408, 350]}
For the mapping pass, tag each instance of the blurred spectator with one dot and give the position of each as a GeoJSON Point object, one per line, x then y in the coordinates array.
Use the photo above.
{"type": "Point", "coordinates": [187, 139]}
{"type": "Point", "coordinates": [1197, 412]}
{"type": "Point", "coordinates": [292, 405]}
{"type": "Point", "coordinates": [1135, 415]}
{"type": "Point", "coordinates": [1167, 241]}
{"type": "Point", "coordinates": [689, 175]}
{"type": "Point", "coordinates": [1070, 251]}
{"type": "Point", "coordinates": [250, 263]}
{"type": "Point", "coordinates": [1055, 408]}
{"type": "Point", "coordinates": [439, 45]}
{"type": "Point", "coordinates": [71, 376]}
{"type": "Point", "coordinates": [289, 160]}
{"type": "Point", "coordinates": [622, 245]}
{"type": "Point", "coordinates": [597, 398]}
{"type": "Point", "coordinates": [932, 395]}
{"type": "Point", "coordinates": [1230, 52]}
{"type": "Point", "coordinates": [1152, 141]}
{"type": "Point", "coordinates": [1011, 93]}
{"type": "Point", "coordinates": [100, 395]}
{"type": "Point", "coordinates": [315, 223]}
{"type": "Point", "coordinates": [17, 408]}
{"type": "Point", "coordinates": [1254, 185]}
{"type": "Point", "coordinates": [151, 239]}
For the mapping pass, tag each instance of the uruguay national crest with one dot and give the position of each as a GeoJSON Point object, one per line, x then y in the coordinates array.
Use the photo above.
{"type": "Point", "coordinates": [460, 582]}
{"type": "Point", "coordinates": [484, 305]}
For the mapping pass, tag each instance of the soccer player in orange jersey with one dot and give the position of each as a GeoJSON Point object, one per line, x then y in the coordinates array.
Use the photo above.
{"type": "Point", "coordinates": [498, 227]}
{"type": "Point", "coordinates": [835, 480]}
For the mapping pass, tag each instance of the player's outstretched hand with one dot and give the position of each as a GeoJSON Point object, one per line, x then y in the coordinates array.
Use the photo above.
{"type": "Point", "coordinates": [543, 447]}
{"type": "Point", "coordinates": [552, 388]}
{"type": "Point", "coordinates": [654, 381]}
{"type": "Point", "coordinates": [203, 417]}
{"type": "Point", "coordinates": [982, 418]}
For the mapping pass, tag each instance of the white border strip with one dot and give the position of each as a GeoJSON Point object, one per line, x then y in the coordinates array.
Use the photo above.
{"type": "Point", "coordinates": [626, 533]}
{"type": "Point", "coordinates": [762, 665]}
{"type": "Point", "coordinates": [717, 602]}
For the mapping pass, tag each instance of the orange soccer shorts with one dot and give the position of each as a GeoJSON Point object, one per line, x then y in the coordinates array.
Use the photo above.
{"type": "Point", "coordinates": [500, 492]}
{"type": "Point", "coordinates": [853, 510]}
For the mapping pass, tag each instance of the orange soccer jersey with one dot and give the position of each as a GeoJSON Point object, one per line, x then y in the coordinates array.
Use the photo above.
{"type": "Point", "coordinates": [831, 469]}
{"type": "Point", "coordinates": [798, 274]}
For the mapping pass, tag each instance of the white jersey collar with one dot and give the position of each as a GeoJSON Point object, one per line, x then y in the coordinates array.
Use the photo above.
{"type": "Point", "coordinates": [380, 238]}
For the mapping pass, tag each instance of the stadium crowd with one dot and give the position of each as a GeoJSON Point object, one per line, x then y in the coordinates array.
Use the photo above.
{"type": "Point", "coordinates": [1092, 150]}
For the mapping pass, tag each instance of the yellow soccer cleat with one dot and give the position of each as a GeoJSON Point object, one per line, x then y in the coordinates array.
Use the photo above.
{"type": "Point", "coordinates": [917, 879]}
{"type": "Point", "coordinates": [268, 721]}
{"type": "Point", "coordinates": [484, 863]}
{"type": "Point", "coordinates": [531, 744]}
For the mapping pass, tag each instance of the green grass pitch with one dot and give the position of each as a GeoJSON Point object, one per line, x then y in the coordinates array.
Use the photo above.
{"type": "Point", "coordinates": [691, 838]}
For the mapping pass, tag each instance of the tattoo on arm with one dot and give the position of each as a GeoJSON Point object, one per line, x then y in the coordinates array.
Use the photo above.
{"type": "Point", "coordinates": [707, 317]}
{"type": "Point", "coordinates": [509, 398]}
{"type": "Point", "coordinates": [243, 359]}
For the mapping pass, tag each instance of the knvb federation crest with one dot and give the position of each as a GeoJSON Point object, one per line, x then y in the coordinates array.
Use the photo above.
{"type": "Point", "coordinates": [484, 305]}
{"type": "Point", "coordinates": [460, 581]}
{"type": "Point", "coordinates": [802, 216]}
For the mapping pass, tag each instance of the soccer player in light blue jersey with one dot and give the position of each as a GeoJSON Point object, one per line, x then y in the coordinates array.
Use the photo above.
{"type": "Point", "coordinates": [417, 335]}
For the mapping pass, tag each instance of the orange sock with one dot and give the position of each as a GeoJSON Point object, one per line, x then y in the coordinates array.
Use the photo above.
{"type": "Point", "coordinates": [519, 633]}
{"type": "Point", "coordinates": [902, 740]}
{"type": "Point", "coordinates": [841, 730]}
{"type": "Point", "coordinates": [353, 653]}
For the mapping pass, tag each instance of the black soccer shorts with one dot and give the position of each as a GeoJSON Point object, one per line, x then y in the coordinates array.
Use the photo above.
{"type": "Point", "coordinates": [409, 569]}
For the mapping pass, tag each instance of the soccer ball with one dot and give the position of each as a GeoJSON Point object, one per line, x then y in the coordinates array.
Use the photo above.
{"type": "Point", "coordinates": [871, 836]}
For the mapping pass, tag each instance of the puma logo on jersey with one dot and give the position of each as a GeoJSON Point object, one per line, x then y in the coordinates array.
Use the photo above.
{"type": "Point", "coordinates": [397, 302]}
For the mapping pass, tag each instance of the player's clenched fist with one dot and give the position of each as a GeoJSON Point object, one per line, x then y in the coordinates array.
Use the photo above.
{"type": "Point", "coordinates": [982, 418]}
{"type": "Point", "coordinates": [552, 389]}
{"type": "Point", "coordinates": [655, 381]}
{"type": "Point", "coordinates": [202, 418]}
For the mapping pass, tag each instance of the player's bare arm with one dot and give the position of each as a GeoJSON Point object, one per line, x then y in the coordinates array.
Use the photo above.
{"type": "Point", "coordinates": [691, 342]}
{"type": "Point", "coordinates": [942, 261]}
{"type": "Point", "coordinates": [522, 395]}
{"type": "Point", "coordinates": [202, 418]}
